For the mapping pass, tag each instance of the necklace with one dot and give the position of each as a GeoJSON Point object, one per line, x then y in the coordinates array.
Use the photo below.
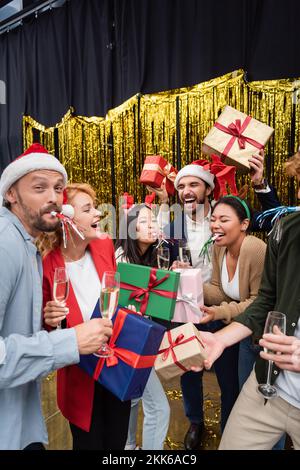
{"type": "Point", "coordinates": [233, 256]}
{"type": "Point", "coordinates": [80, 262]}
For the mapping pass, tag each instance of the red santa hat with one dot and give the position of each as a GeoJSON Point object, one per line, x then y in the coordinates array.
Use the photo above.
{"type": "Point", "coordinates": [197, 169]}
{"type": "Point", "coordinates": [36, 157]}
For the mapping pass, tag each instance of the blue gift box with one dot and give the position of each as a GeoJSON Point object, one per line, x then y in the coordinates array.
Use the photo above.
{"type": "Point", "coordinates": [138, 335]}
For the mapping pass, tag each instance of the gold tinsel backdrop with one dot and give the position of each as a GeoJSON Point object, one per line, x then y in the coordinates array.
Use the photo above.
{"type": "Point", "coordinates": [108, 152]}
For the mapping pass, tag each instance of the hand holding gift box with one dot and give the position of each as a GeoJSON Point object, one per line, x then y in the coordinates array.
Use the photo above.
{"type": "Point", "coordinates": [156, 170]}
{"type": "Point", "coordinates": [135, 342]}
{"type": "Point", "coordinates": [235, 137]}
{"type": "Point", "coordinates": [152, 291]}
{"type": "Point", "coordinates": [181, 349]}
{"type": "Point", "coordinates": [189, 297]}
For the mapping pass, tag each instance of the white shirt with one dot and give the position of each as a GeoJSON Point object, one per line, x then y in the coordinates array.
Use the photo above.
{"type": "Point", "coordinates": [86, 284]}
{"type": "Point", "coordinates": [119, 255]}
{"type": "Point", "coordinates": [198, 232]}
{"type": "Point", "coordinates": [288, 383]}
{"type": "Point", "coordinates": [231, 288]}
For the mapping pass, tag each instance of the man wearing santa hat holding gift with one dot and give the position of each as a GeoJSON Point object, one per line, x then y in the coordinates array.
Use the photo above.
{"type": "Point", "coordinates": [32, 188]}
{"type": "Point", "coordinates": [195, 184]}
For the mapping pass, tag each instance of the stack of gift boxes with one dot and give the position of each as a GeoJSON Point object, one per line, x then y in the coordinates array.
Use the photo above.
{"type": "Point", "coordinates": [139, 341]}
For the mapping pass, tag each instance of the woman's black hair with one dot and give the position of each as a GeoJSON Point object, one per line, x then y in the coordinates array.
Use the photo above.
{"type": "Point", "coordinates": [130, 246]}
{"type": "Point", "coordinates": [238, 207]}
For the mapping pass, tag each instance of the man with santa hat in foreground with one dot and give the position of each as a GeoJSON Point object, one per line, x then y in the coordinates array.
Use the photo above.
{"type": "Point", "coordinates": [31, 187]}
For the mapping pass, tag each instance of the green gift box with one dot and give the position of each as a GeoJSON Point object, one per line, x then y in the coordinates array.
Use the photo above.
{"type": "Point", "coordinates": [152, 291]}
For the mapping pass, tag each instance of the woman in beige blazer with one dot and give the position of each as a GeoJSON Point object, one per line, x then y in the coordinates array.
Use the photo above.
{"type": "Point", "coordinates": [238, 260]}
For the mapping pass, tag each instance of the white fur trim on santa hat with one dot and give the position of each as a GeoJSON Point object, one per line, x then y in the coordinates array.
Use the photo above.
{"type": "Point", "coordinates": [26, 164]}
{"type": "Point", "coordinates": [195, 170]}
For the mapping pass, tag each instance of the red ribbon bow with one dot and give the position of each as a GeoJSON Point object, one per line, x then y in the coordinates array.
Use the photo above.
{"type": "Point", "coordinates": [129, 357]}
{"type": "Point", "coordinates": [204, 163]}
{"type": "Point", "coordinates": [172, 343]}
{"type": "Point", "coordinates": [170, 349]}
{"type": "Point", "coordinates": [138, 292]}
{"type": "Point", "coordinates": [224, 175]}
{"type": "Point", "coordinates": [149, 199]}
{"type": "Point", "coordinates": [236, 129]}
{"type": "Point", "coordinates": [128, 201]}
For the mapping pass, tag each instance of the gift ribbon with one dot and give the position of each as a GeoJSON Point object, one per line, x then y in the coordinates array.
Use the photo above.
{"type": "Point", "coordinates": [138, 292]}
{"type": "Point", "coordinates": [169, 173]}
{"type": "Point", "coordinates": [224, 176]}
{"type": "Point", "coordinates": [191, 301]}
{"type": "Point", "coordinates": [128, 201]}
{"type": "Point", "coordinates": [129, 357]}
{"type": "Point", "coordinates": [65, 221]}
{"type": "Point", "coordinates": [177, 342]}
{"type": "Point", "coordinates": [236, 129]}
{"type": "Point", "coordinates": [276, 213]}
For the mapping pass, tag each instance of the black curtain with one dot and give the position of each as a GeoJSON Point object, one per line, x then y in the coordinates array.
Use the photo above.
{"type": "Point", "coordinates": [95, 54]}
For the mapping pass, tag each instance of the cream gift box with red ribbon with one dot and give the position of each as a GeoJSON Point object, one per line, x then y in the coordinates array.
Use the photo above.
{"type": "Point", "coordinates": [156, 170]}
{"type": "Point", "coordinates": [235, 137]}
{"type": "Point", "coordinates": [181, 348]}
{"type": "Point", "coordinates": [189, 296]}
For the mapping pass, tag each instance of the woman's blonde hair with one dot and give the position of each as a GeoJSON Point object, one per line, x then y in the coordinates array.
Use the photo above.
{"type": "Point", "coordinates": [292, 166]}
{"type": "Point", "coordinates": [47, 242]}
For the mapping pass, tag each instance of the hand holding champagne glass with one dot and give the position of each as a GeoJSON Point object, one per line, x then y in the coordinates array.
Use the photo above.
{"type": "Point", "coordinates": [273, 319]}
{"type": "Point", "coordinates": [109, 297]}
{"type": "Point", "coordinates": [163, 257]}
{"type": "Point", "coordinates": [184, 252]}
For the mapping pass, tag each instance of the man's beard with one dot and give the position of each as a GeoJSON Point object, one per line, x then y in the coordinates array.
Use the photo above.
{"type": "Point", "coordinates": [198, 210]}
{"type": "Point", "coordinates": [42, 226]}
{"type": "Point", "coordinates": [35, 220]}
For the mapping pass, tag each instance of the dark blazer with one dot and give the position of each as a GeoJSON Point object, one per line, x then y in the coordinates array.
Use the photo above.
{"type": "Point", "coordinates": [279, 289]}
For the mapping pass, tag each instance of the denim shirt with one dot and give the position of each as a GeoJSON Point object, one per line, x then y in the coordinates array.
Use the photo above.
{"type": "Point", "coordinates": [27, 353]}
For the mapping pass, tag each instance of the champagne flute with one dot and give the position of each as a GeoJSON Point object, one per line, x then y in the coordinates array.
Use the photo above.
{"type": "Point", "coordinates": [60, 286]}
{"type": "Point", "coordinates": [109, 297]}
{"type": "Point", "coordinates": [273, 319]}
{"type": "Point", "coordinates": [163, 257]}
{"type": "Point", "coordinates": [184, 252]}
{"type": "Point", "coordinates": [183, 259]}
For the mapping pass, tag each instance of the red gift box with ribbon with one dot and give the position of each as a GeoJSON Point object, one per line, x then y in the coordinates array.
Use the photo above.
{"type": "Point", "coordinates": [156, 170]}
{"type": "Point", "coordinates": [235, 137]}
{"type": "Point", "coordinates": [181, 348]}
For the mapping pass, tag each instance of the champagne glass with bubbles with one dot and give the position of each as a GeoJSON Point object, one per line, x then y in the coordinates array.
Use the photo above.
{"type": "Point", "coordinates": [109, 298]}
{"type": "Point", "coordinates": [60, 286]}
{"type": "Point", "coordinates": [273, 319]}
{"type": "Point", "coordinates": [163, 257]}
{"type": "Point", "coordinates": [184, 252]}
